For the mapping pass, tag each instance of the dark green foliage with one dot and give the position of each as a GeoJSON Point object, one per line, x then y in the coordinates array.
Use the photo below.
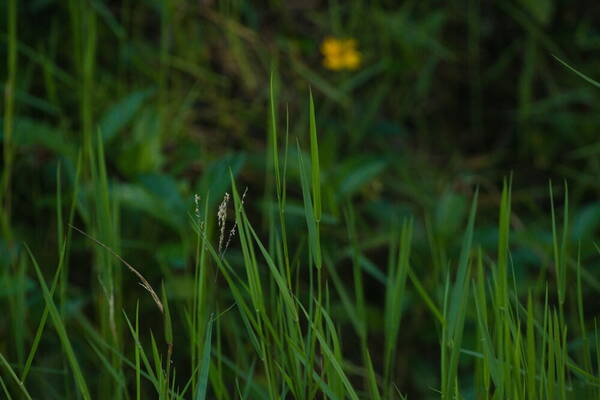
{"type": "Point", "coordinates": [371, 246]}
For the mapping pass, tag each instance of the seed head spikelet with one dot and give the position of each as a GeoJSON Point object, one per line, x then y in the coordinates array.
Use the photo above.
{"type": "Point", "coordinates": [222, 219]}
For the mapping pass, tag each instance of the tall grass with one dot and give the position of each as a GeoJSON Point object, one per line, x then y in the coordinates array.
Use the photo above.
{"type": "Point", "coordinates": [324, 287]}
{"type": "Point", "coordinates": [8, 119]}
{"type": "Point", "coordinates": [274, 318]}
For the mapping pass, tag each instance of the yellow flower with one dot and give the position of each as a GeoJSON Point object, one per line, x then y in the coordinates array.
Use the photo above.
{"type": "Point", "coordinates": [340, 54]}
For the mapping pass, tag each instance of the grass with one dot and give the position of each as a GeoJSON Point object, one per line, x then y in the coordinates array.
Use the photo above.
{"type": "Point", "coordinates": [369, 248]}
{"type": "Point", "coordinates": [276, 333]}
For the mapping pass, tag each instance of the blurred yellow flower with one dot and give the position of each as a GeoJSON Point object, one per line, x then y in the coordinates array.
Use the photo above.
{"type": "Point", "coordinates": [340, 54]}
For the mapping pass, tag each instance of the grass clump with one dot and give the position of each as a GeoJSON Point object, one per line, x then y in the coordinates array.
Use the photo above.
{"type": "Point", "coordinates": [291, 314]}
{"type": "Point", "coordinates": [366, 247]}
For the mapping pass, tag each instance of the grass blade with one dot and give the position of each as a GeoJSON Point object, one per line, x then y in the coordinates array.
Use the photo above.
{"type": "Point", "coordinates": [61, 331]}
{"type": "Point", "coordinates": [205, 365]}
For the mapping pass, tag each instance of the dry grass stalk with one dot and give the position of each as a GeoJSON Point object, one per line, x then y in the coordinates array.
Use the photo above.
{"type": "Point", "coordinates": [143, 282]}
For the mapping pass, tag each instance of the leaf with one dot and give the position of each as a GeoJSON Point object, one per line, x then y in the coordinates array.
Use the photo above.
{"type": "Point", "coordinates": [586, 222]}
{"type": "Point", "coordinates": [122, 113]}
{"type": "Point", "coordinates": [450, 213]}
{"type": "Point", "coordinates": [32, 132]}
{"type": "Point", "coordinates": [359, 175]}
{"type": "Point", "coordinates": [204, 367]}
{"type": "Point", "coordinates": [136, 197]}
{"type": "Point", "coordinates": [314, 161]}
{"type": "Point", "coordinates": [61, 331]}
{"type": "Point", "coordinates": [215, 179]}
{"type": "Point", "coordinates": [580, 74]}
{"type": "Point", "coordinates": [142, 151]}
{"type": "Point", "coordinates": [165, 188]}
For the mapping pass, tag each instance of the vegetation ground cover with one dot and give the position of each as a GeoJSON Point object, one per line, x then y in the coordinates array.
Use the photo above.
{"type": "Point", "coordinates": [330, 200]}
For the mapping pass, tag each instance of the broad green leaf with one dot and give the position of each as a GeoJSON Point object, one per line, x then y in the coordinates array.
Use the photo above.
{"type": "Point", "coordinates": [122, 112]}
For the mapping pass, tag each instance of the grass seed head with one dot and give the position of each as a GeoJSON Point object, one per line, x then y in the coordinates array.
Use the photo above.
{"type": "Point", "coordinates": [222, 219]}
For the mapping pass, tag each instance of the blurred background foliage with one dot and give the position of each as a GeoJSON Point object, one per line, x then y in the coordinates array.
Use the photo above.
{"type": "Point", "coordinates": [448, 95]}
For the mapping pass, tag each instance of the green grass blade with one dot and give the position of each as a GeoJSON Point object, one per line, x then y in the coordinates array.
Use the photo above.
{"type": "Point", "coordinates": [580, 74]}
{"type": "Point", "coordinates": [314, 160]}
{"type": "Point", "coordinates": [8, 117]}
{"type": "Point", "coordinates": [5, 389]}
{"type": "Point", "coordinates": [61, 331]}
{"type": "Point", "coordinates": [13, 375]}
{"type": "Point", "coordinates": [454, 321]}
{"type": "Point", "coordinates": [274, 144]}
{"type": "Point", "coordinates": [42, 324]}
{"type": "Point", "coordinates": [311, 220]}
{"type": "Point", "coordinates": [330, 356]}
{"type": "Point", "coordinates": [531, 351]}
{"type": "Point", "coordinates": [205, 365]}
{"type": "Point", "coordinates": [395, 293]}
